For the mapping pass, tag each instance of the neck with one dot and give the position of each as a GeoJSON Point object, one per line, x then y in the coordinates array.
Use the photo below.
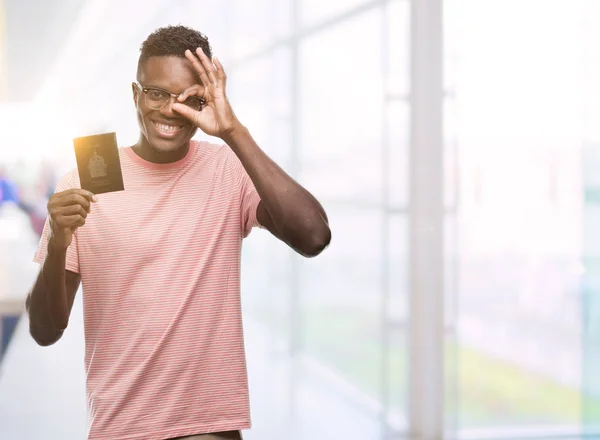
{"type": "Point", "coordinates": [151, 154]}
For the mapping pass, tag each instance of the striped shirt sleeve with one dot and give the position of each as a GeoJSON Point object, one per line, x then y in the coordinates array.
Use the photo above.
{"type": "Point", "coordinates": [249, 197]}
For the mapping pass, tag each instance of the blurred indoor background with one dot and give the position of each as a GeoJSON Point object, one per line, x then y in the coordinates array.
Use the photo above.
{"type": "Point", "coordinates": [454, 144]}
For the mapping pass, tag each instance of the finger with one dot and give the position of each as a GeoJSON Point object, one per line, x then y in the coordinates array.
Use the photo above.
{"type": "Point", "coordinates": [57, 215]}
{"type": "Point", "coordinates": [198, 67]}
{"type": "Point", "coordinates": [71, 210]}
{"type": "Point", "coordinates": [70, 221]}
{"type": "Point", "coordinates": [74, 199]}
{"type": "Point", "coordinates": [221, 75]}
{"type": "Point", "coordinates": [196, 90]}
{"type": "Point", "coordinates": [208, 65]}
{"type": "Point", "coordinates": [82, 192]}
{"type": "Point", "coordinates": [186, 111]}
{"type": "Point", "coordinates": [56, 205]}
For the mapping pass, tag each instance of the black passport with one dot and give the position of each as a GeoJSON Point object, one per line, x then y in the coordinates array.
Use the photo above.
{"type": "Point", "coordinates": [98, 163]}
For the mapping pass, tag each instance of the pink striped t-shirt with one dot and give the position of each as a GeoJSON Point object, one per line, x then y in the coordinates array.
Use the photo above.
{"type": "Point", "coordinates": [160, 271]}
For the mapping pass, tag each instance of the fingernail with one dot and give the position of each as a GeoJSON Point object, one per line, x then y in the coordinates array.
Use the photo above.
{"type": "Point", "coordinates": [94, 198]}
{"type": "Point", "coordinates": [200, 49]}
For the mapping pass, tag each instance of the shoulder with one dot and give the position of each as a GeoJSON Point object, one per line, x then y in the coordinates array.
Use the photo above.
{"type": "Point", "coordinates": [206, 148]}
{"type": "Point", "coordinates": [218, 154]}
{"type": "Point", "coordinates": [222, 161]}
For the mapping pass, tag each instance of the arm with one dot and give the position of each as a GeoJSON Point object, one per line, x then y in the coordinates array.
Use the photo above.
{"type": "Point", "coordinates": [287, 210]}
{"type": "Point", "coordinates": [50, 301]}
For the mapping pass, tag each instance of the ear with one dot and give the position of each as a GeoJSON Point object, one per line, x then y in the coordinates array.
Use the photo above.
{"type": "Point", "coordinates": [136, 92]}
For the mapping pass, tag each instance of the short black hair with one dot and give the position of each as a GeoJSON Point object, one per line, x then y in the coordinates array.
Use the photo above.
{"type": "Point", "coordinates": [173, 41]}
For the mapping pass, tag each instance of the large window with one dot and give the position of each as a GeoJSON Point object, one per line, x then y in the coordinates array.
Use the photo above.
{"type": "Point", "coordinates": [338, 119]}
{"type": "Point", "coordinates": [520, 217]}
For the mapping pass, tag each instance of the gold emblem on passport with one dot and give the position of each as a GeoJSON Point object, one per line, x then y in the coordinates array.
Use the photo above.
{"type": "Point", "coordinates": [97, 166]}
{"type": "Point", "coordinates": [98, 163]}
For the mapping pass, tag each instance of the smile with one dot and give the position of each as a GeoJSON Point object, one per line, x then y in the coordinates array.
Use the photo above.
{"type": "Point", "coordinates": [167, 129]}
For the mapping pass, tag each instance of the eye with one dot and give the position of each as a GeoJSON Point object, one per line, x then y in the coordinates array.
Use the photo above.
{"type": "Point", "coordinates": [156, 94]}
{"type": "Point", "coordinates": [193, 102]}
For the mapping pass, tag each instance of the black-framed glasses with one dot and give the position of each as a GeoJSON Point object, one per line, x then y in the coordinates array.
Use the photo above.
{"type": "Point", "coordinates": [157, 99]}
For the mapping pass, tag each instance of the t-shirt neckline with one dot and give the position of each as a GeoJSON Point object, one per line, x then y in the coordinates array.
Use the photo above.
{"type": "Point", "coordinates": [161, 166]}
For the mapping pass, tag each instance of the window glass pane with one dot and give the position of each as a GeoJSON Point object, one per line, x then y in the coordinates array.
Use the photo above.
{"type": "Point", "coordinates": [590, 307]}
{"type": "Point", "coordinates": [260, 93]}
{"type": "Point", "coordinates": [452, 11]}
{"type": "Point", "coordinates": [519, 225]}
{"type": "Point", "coordinates": [591, 64]}
{"type": "Point", "coordinates": [398, 137]}
{"type": "Point", "coordinates": [341, 110]}
{"type": "Point", "coordinates": [315, 11]}
{"type": "Point", "coordinates": [342, 316]}
{"type": "Point", "coordinates": [450, 154]}
{"type": "Point", "coordinates": [451, 354]}
{"type": "Point", "coordinates": [247, 88]}
{"type": "Point", "coordinates": [397, 318]}
{"type": "Point", "coordinates": [397, 16]}
{"type": "Point", "coordinates": [256, 24]}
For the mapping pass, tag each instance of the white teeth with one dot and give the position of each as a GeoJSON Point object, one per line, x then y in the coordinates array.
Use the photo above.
{"type": "Point", "coordinates": [168, 128]}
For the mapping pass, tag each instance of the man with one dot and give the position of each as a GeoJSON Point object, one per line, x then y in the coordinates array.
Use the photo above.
{"type": "Point", "coordinates": [160, 261]}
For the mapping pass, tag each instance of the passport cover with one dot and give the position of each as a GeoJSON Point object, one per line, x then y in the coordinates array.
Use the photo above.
{"type": "Point", "coordinates": [98, 163]}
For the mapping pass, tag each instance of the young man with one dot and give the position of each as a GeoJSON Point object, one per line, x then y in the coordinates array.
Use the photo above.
{"type": "Point", "coordinates": [160, 261]}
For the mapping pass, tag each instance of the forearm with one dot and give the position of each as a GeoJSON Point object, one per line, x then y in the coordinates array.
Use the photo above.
{"type": "Point", "coordinates": [47, 304]}
{"type": "Point", "coordinates": [295, 211]}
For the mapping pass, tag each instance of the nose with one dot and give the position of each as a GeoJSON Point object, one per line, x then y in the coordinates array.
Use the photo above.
{"type": "Point", "coordinates": [167, 110]}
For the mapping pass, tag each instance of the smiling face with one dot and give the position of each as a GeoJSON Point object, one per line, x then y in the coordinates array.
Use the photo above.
{"type": "Point", "coordinates": [164, 132]}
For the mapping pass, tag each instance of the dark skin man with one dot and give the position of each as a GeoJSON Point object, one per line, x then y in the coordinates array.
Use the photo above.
{"type": "Point", "coordinates": [287, 210]}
